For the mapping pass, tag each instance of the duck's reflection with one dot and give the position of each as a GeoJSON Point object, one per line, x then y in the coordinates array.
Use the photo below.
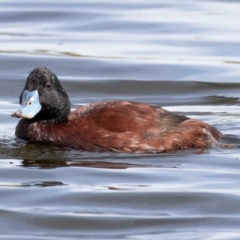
{"type": "Point", "coordinates": [91, 164]}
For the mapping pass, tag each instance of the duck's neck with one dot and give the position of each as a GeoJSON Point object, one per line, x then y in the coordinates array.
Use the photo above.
{"type": "Point", "coordinates": [57, 113]}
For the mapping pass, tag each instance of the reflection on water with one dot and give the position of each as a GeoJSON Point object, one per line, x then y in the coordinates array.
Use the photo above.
{"type": "Point", "coordinates": [180, 55]}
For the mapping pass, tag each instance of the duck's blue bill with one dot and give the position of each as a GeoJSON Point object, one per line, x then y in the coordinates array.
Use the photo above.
{"type": "Point", "coordinates": [30, 105]}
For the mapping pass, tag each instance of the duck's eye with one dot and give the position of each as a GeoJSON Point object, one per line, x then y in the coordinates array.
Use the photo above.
{"type": "Point", "coordinates": [48, 85]}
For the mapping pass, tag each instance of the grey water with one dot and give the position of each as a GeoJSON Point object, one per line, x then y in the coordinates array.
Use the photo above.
{"type": "Point", "coordinates": [180, 55]}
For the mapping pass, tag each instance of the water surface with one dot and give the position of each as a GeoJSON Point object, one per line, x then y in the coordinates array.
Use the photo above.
{"type": "Point", "coordinates": [183, 56]}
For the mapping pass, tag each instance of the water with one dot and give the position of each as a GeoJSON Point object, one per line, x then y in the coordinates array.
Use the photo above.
{"type": "Point", "coordinates": [182, 55]}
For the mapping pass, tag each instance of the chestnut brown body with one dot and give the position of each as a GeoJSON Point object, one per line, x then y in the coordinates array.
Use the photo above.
{"type": "Point", "coordinates": [121, 126]}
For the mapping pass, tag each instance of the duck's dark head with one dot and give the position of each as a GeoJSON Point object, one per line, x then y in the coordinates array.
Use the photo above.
{"type": "Point", "coordinates": [43, 98]}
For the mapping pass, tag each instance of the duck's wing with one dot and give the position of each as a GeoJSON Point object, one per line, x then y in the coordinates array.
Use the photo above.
{"type": "Point", "coordinates": [122, 116]}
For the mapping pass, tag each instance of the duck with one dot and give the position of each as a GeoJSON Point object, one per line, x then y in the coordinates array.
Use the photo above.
{"type": "Point", "coordinates": [111, 126]}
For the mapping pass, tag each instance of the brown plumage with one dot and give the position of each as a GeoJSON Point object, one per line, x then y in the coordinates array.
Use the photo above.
{"type": "Point", "coordinates": [116, 126]}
